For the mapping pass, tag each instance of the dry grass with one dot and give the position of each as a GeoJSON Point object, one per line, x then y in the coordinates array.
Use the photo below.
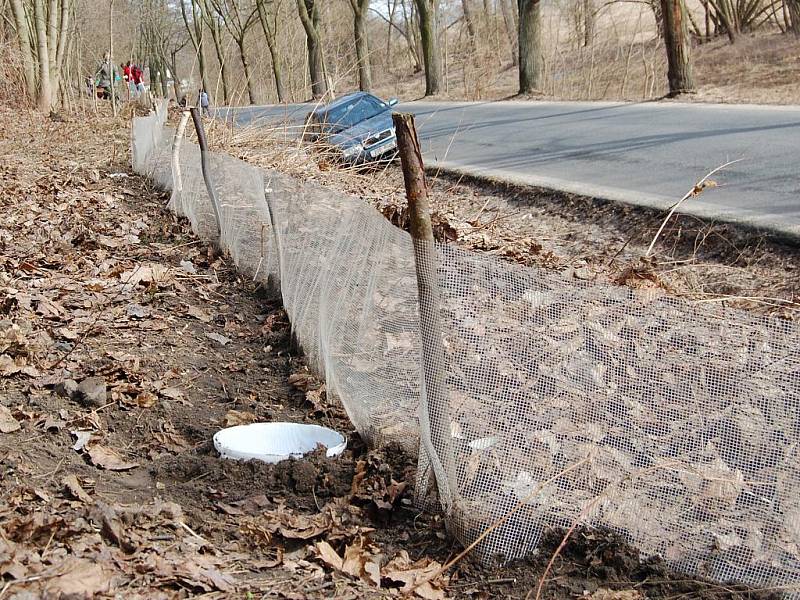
{"type": "Point", "coordinates": [584, 238]}
{"type": "Point", "coordinates": [11, 76]}
{"type": "Point", "coordinates": [761, 68]}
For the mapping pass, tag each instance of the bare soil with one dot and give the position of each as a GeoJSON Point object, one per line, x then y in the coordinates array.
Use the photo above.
{"type": "Point", "coordinates": [114, 490]}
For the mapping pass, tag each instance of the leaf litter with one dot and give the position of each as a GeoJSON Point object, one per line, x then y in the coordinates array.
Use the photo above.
{"type": "Point", "coordinates": [115, 485]}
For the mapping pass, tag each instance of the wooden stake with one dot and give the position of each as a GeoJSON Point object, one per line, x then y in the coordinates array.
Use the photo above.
{"type": "Point", "coordinates": [201, 140]}
{"type": "Point", "coordinates": [434, 407]}
{"type": "Point", "coordinates": [177, 181]}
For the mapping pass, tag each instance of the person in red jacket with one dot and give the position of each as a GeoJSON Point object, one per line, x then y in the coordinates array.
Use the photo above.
{"type": "Point", "coordinates": [128, 77]}
{"type": "Point", "coordinates": [138, 79]}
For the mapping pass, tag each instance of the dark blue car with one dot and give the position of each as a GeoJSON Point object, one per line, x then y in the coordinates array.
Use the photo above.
{"type": "Point", "coordinates": [358, 126]}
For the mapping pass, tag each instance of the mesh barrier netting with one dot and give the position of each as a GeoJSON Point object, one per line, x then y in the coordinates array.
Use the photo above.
{"type": "Point", "coordinates": [675, 425]}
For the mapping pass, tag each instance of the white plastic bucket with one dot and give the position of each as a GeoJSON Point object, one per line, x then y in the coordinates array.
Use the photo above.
{"type": "Point", "coordinates": [274, 442]}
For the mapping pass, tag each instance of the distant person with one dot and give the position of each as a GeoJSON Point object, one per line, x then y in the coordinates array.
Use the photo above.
{"type": "Point", "coordinates": [202, 100]}
{"type": "Point", "coordinates": [127, 75]}
{"type": "Point", "coordinates": [105, 74]}
{"type": "Point", "coordinates": [138, 80]}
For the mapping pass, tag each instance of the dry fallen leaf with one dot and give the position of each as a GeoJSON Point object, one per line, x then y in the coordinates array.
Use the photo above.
{"type": "Point", "coordinates": [171, 441]}
{"type": "Point", "coordinates": [11, 366]}
{"type": "Point", "coordinates": [146, 400]}
{"type": "Point", "coordinates": [7, 366]}
{"type": "Point", "coordinates": [239, 417]}
{"type": "Point", "coordinates": [73, 486]}
{"type": "Point", "coordinates": [171, 392]}
{"type": "Point", "coordinates": [314, 398]}
{"type": "Point", "coordinates": [147, 273]}
{"type": "Point", "coordinates": [219, 338]}
{"type": "Point", "coordinates": [417, 576]}
{"type": "Point", "coordinates": [68, 333]}
{"type": "Point", "coordinates": [7, 421]}
{"type": "Point", "coordinates": [303, 381]}
{"type": "Point", "coordinates": [108, 459]}
{"type": "Point", "coordinates": [11, 564]}
{"type": "Point", "coordinates": [360, 562]}
{"type": "Point", "coordinates": [199, 314]}
{"type": "Point", "coordinates": [79, 579]}
{"type": "Point", "coordinates": [290, 525]}
{"type": "Point", "coordinates": [328, 555]}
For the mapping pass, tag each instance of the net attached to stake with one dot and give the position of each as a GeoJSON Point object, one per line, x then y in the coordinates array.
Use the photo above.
{"type": "Point", "coordinates": [674, 425]}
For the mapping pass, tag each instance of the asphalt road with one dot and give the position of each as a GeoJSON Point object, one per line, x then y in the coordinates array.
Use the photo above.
{"type": "Point", "coordinates": [648, 154]}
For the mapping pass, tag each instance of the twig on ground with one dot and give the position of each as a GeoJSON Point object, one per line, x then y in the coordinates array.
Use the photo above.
{"type": "Point", "coordinates": [696, 190]}
{"type": "Point", "coordinates": [762, 299]}
{"type": "Point", "coordinates": [194, 534]}
{"type": "Point", "coordinates": [514, 510]}
{"type": "Point", "coordinates": [581, 516]}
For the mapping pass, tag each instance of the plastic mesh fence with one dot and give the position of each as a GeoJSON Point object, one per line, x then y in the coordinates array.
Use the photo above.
{"type": "Point", "coordinates": [675, 425]}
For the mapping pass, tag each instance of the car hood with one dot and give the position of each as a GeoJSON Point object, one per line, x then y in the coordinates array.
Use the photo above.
{"type": "Point", "coordinates": [361, 131]}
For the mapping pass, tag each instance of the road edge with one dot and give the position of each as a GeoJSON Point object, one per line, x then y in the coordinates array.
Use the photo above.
{"type": "Point", "coordinates": [777, 232]}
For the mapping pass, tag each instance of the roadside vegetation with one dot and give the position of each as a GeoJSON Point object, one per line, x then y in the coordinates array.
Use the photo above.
{"type": "Point", "coordinates": [268, 51]}
{"type": "Point", "coordinates": [715, 264]}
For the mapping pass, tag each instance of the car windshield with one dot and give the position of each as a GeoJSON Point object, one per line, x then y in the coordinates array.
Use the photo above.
{"type": "Point", "coordinates": [355, 111]}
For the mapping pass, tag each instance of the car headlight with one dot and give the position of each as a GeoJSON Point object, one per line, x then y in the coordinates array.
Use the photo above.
{"type": "Point", "coordinates": [353, 150]}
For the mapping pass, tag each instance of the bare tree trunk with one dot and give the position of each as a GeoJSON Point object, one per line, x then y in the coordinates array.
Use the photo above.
{"type": "Point", "coordinates": [695, 27]}
{"type": "Point", "coordinates": [434, 406]}
{"type": "Point", "coordinates": [24, 39]}
{"type": "Point", "coordinates": [52, 29]}
{"type": "Point", "coordinates": [309, 11]}
{"type": "Point", "coordinates": [45, 97]}
{"type": "Point", "coordinates": [793, 7]}
{"type": "Point", "coordinates": [468, 18]}
{"type": "Point", "coordinates": [164, 78]}
{"type": "Point", "coordinates": [195, 31]}
{"type": "Point", "coordinates": [246, 66]}
{"type": "Point", "coordinates": [269, 34]}
{"type": "Point", "coordinates": [511, 30]}
{"type": "Point", "coordinates": [277, 73]}
{"type": "Point", "coordinates": [360, 9]}
{"type": "Point", "coordinates": [707, 19]}
{"type": "Point", "coordinates": [201, 64]}
{"type": "Point", "coordinates": [588, 22]}
{"type": "Point", "coordinates": [61, 43]}
{"type": "Point", "coordinates": [531, 64]}
{"type": "Point", "coordinates": [429, 33]}
{"type": "Point", "coordinates": [391, 6]}
{"type": "Point", "coordinates": [238, 17]}
{"type": "Point", "coordinates": [411, 36]}
{"type": "Point", "coordinates": [176, 82]}
{"type": "Point", "coordinates": [676, 40]}
{"type": "Point", "coordinates": [724, 15]}
{"type": "Point", "coordinates": [216, 36]}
